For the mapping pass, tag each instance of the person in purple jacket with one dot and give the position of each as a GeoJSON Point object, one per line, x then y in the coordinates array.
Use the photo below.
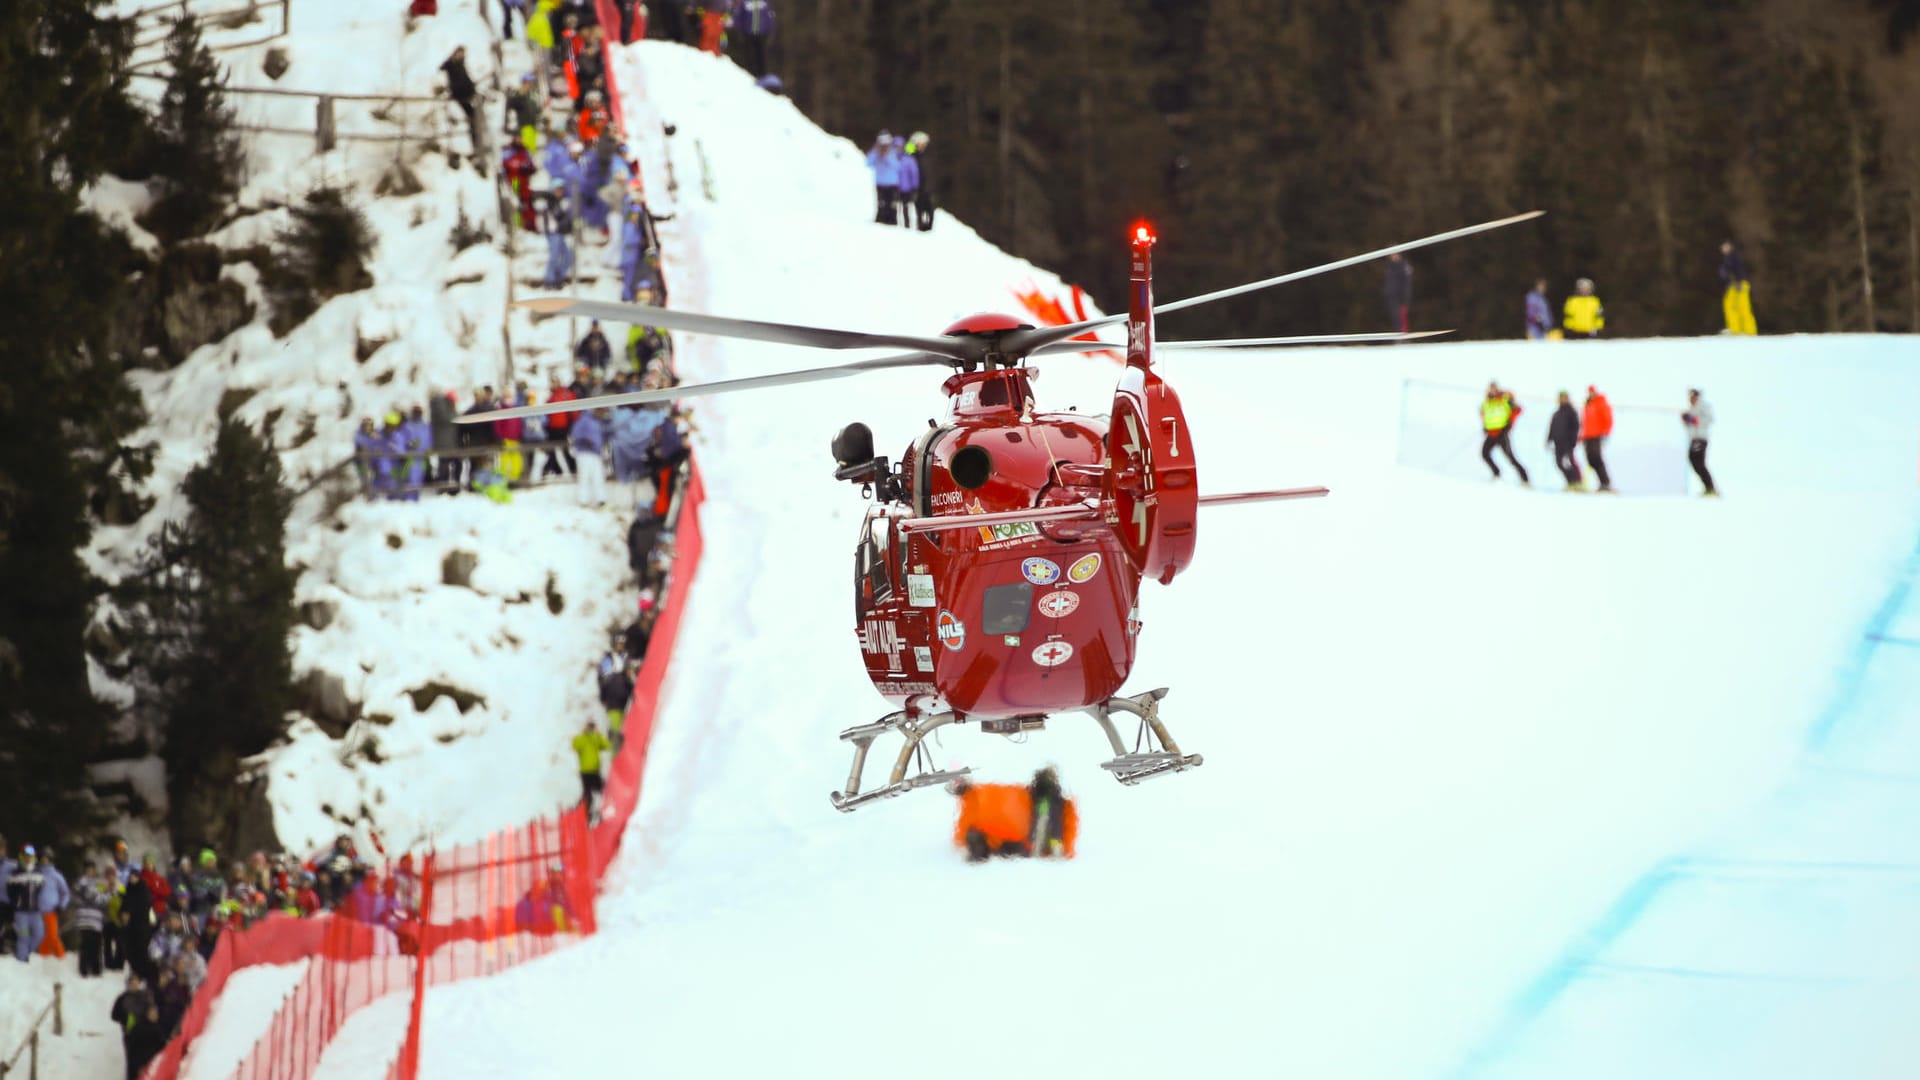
{"type": "Point", "coordinates": [909, 189]}
{"type": "Point", "coordinates": [1539, 315]}
{"type": "Point", "coordinates": [589, 439]}
{"type": "Point", "coordinates": [753, 19]}
{"type": "Point", "coordinates": [884, 160]}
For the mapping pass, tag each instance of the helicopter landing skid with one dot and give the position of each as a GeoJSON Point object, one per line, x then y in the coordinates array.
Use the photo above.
{"type": "Point", "coordinates": [1143, 762]}
{"type": "Point", "coordinates": [898, 782]}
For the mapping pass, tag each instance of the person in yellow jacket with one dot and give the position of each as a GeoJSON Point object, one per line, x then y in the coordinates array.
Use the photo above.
{"type": "Point", "coordinates": [1498, 411]}
{"type": "Point", "coordinates": [1737, 301]}
{"type": "Point", "coordinates": [1584, 315]}
{"type": "Point", "coordinates": [588, 746]}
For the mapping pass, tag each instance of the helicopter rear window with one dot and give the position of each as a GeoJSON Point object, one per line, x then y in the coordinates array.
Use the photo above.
{"type": "Point", "coordinates": [1005, 608]}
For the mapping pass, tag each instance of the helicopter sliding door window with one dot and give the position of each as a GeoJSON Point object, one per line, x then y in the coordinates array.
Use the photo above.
{"type": "Point", "coordinates": [875, 575]}
{"type": "Point", "coordinates": [1004, 609]}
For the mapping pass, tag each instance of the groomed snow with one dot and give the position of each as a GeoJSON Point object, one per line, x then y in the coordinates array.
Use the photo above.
{"type": "Point", "coordinates": [1445, 723]}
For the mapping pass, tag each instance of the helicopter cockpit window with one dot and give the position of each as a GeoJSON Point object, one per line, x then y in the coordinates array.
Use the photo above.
{"type": "Point", "coordinates": [994, 392]}
{"type": "Point", "coordinates": [876, 579]}
{"type": "Point", "coordinates": [1004, 609]}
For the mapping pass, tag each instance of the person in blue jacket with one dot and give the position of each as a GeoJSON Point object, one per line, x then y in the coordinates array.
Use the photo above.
{"type": "Point", "coordinates": [26, 888]}
{"type": "Point", "coordinates": [376, 467]}
{"type": "Point", "coordinates": [590, 175]}
{"type": "Point", "coordinates": [884, 160]}
{"type": "Point", "coordinates": [416, 440]}
{"type": "Point", "coordinates": [1539, 314]}
{"type": "Point", "coordinates": [589, 440]}
{"type": "Point", "coordinates": [909, 188]}
{"type": "Point", "coordinates": [628, 434]}
{"type": "Point", "coordinates": [633, 247]}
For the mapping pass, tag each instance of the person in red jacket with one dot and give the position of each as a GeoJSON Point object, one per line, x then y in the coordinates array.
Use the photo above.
{"type": "Point", "coordinates": [1596, 423]}
{"type": "Point", "coordinates": [558, 425]}
{"type": "Point", "coordinates": [519, 167]}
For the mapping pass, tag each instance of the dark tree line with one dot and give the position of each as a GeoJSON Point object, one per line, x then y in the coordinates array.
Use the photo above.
{"type": "Point", "coordinates": [203, 630]}
{"type": "Point", "coordinates": [1265, 135]}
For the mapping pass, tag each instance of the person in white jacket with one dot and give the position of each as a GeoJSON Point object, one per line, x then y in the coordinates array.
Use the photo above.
{"type": "Point", "coordinates": [1699, 421]}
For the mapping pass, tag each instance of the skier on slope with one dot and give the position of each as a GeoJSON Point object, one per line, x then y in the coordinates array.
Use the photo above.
{"type": "Point", "coordinates": [1699, 421]}
{"type": "Point", "coordinates": [1498, 411]}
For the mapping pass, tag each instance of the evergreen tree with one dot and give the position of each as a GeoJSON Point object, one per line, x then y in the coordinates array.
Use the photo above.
{"type": "Point", "coordinates": [196, 151]}
{"type": "Point", "coordinates": [65, 410]}
{"type": "Point", "coordinates": [214, 607]}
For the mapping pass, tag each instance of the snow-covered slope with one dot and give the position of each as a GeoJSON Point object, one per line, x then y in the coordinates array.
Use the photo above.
{"type": "Point", "coordinates": [1445, 724]}
{"type": "Point", "coordinates": [385, 637]}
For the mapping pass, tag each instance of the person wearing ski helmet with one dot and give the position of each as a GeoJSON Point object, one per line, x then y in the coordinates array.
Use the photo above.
{"type": "Point", "coordinates": [1498, 411]}
{"type": "Point", "coordinates": [1584, 317]}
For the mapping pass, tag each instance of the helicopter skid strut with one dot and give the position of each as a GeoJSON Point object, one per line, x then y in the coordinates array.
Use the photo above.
{"type": "Point", "coordinates": [1132, 767]}
{"type": "Point", "coordinates": [1143, 762]}
{"type": "Point", "coordinates": [898, 782]}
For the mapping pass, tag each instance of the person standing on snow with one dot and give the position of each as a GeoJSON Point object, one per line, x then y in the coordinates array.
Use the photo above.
{"type": "Point", "coordinates": [90, 918]}
{"type": "Point", "coordinates": [372, 458]}
{"type": "Point", "coordinates": [909, 189]}
{"type": "Point", "coordinates": [885, 163]}
{"type": "Point", "coordinates": [446, 439]}
{"type": "Point", "coordinates": [461, 89]}
{"type": "Point", "coordinates": [1539, 315]}
{"type": "Point", "coordinates": [1596, 423]}
{"type": "Point", "coordinates": [755, 23]}
{"type": "Point", "coordinates": [1737, 301]}
{"type": "Point", "coordinates": [54, 898]}
{"type": "Point", "coordinates": [923, 198]}
{"type": "Point", "coordinates": [1497, 415]}
{"type": "Point", "coordinates": [1563, 437]}
{"type": "Point", "coordinates": [556, 222]}
{"type": "Point", "coordinates": [1699, 421]}
{"type": "Point", "coordinates": [559, 426]}
{"type": "Point", "coordinates": [589, 441]}
{"type": "Point", "coordinates": [1584, 315]}
{"type": "Point", "coordinates": [713, 25]}
{"type": "Point", "coordinates": [1398, 291]}
{"type": "Point", "coordinates": [25, 886]}
{"type": "Point", "coordinates": [587, 747]}
{"type": "Point", "coordinates": [416, 439]}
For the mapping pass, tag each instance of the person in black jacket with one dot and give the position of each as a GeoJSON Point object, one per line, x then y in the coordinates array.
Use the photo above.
{"type": "Point", "coordinates": [923, 198]}
{"type": "Point", "coordinates": [461, 89]}
{"type": "Point", "coordinates": [1398, 291]}
{"type": "Point", "coordinates": [1563, 435]}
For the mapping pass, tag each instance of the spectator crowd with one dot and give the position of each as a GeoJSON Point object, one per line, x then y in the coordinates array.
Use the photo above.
{"type": "Point", "coordinates": [161, 923]}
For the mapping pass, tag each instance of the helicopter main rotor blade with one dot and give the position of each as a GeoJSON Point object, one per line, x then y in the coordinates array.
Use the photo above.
{"type": "Point", "coordinates": [1059, 347]}
{"type": "Point", "coordinates": [725, 386]}
{"type": "Point", "coordinates": [751, 329]}
{"type": "Point", "coordinates": [1025, 341]}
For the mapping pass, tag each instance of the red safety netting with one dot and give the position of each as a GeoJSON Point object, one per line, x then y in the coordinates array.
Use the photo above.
{"type": "Point", "coordinates": [284, 939]}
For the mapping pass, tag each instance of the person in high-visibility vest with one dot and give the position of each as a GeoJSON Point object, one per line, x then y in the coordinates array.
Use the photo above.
{"type": "Point", "coordinates": [1737, 301]}
{"type": "Point", "coordinates": [588, 746]}
{"type": "Point", "coordinates": [1584, 315]}
{"type": "Point", "coordinates": [1498, 411]}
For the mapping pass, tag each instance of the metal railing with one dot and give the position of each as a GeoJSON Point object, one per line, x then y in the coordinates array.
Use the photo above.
{"type": "Point", "coordinates": [366, 465]}
{"type": "Point", "coordinates": [30, 1046]}
{"type": "Point", "coordinates": [151, 26]}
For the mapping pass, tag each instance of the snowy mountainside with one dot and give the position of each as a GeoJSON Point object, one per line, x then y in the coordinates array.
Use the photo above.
{"type": "Point", "coordinates": [441, 688]}
{"type": "Point", "coordinates": [1445, 723]}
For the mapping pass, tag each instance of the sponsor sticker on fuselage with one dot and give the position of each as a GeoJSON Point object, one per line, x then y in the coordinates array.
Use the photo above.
{"type": "Point", "coordinates": [1084, 568]}
{"type": "Point", "coordinates": [951, 631]}
{"type": "Point", "coordinates": [923, 657]}
{"type": "Point", "coordinates": [920, 590]}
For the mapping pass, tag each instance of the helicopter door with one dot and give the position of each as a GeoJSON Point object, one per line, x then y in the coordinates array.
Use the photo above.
{"type": "Point", "coordinates": [923, 470]}
{"type": "Point", "coordinates": [872, 570]}
{"type": "Point", "coordinates": [1151, 482]}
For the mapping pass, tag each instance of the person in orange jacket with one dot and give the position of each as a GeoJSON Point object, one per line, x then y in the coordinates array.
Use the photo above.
{"type": "Point", "coordinates": [1596, 423]}
{"type": "Point", "coordinates": [1006, 819]}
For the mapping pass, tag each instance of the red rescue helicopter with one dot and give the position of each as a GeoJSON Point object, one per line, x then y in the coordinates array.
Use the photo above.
{"type": "Point", "coordinates": [997, 575]}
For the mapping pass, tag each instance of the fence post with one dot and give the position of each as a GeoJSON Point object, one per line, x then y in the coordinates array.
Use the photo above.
{"type": "Point", "coordinates": [33, 1055]}
{"type": "Point", "coordinates": [56, 1010]}
{"type": "Point", "coordinates": [286, 16]}
{"type": "Point", "coordinates": [323, 132]}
